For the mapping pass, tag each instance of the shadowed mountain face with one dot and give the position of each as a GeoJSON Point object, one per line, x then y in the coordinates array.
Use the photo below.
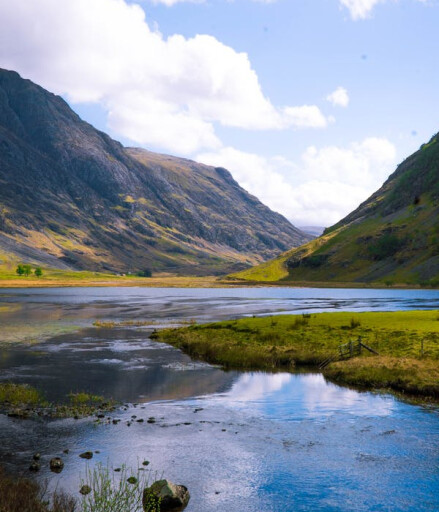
{"type": "Point", "coordinates": [393, 237]}
{"type": "Point", "coordinates": [71, 197]}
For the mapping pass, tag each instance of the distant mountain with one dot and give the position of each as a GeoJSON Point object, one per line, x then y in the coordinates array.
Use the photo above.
{"type": "Point", "coordinates": [71, 197]}
{"type": "Point", "coordinates": [393, 237]}
{"type": "Point", "coordinates": [313, 231]}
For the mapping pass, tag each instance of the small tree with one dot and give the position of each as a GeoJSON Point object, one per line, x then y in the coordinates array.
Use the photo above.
{"type": "Point", "coordinates": [145, 273]}
{"type": "Point", "coordinates": [38, 272]}
{"type": "Point", "coordinates": [20, 270]}
{"type": "Point", "coordinates": [27, 270]}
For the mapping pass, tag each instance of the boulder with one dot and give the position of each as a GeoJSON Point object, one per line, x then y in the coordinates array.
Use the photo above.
{"type": "Point", "coordinates": [56, 465]}
{"type": "Point", "coordinates": [173, 498]}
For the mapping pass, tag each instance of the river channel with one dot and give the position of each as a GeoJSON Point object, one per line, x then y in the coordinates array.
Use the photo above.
{"type": "Point", "coordinates": [240, 441]}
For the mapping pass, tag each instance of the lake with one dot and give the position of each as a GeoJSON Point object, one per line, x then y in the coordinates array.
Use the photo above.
{"type": "Point", "coordinates": [241, 441]}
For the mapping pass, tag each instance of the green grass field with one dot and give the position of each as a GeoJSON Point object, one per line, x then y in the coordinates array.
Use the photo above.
{"type": "Point", "coordinates": [407, 343]}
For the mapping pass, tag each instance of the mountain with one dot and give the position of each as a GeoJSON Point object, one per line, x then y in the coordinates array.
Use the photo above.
{"type": "Point", "coordinates": [71, 197]}
{"type": "Point", "coordinates": [313, 231]}
{"type": "Point", "coordinates": [393, 237]}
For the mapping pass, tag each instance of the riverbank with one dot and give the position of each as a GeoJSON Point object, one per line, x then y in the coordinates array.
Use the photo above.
{"type": "Point", "coordinates": [68, 279]}
{"type": "Point", "coordinates": [90, 279]}
{"type": "Point", "coordinates": [407, 343]}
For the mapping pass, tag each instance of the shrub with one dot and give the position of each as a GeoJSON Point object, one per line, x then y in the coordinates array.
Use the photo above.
{"type": "Point", "coordinates": [144, 273]}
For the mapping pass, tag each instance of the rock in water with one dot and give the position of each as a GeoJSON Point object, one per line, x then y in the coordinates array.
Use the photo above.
{"type": "Point", "coordinates": [56, 465]}
{"type": "Point", "coordinates": [173, 498]}
{"type": "Point", "coordinates": [85, 489]}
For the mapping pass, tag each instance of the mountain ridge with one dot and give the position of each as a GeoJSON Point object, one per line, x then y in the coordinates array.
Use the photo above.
{"type": "Point", "coordinates": [391, 238]}
{"type": "Point", "coordinates": [71, 194]}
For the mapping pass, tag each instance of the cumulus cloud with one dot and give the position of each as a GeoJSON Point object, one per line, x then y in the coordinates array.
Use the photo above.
{"type": "Point", "coordinates": [169, 92]}
{"type": "Point", "coordinates": [339, 97]}
{"type": "Point", "coordinates": [321, 188]}
{"type": "Point", "coordinates": [360, 9]}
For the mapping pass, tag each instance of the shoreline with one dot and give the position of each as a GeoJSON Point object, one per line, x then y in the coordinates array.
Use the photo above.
{"type": "Point", "coordinates": [188, 282]}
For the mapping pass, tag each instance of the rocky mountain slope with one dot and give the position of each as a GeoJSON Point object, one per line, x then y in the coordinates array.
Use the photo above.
{"type": "Point", "coordinates": [393, 237]}
{"type": "Point", "coordinates": [71, 197]}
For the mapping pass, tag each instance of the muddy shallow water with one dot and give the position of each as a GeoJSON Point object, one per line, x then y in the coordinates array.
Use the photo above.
{"type": "Point", "coordinates": [241, 441]}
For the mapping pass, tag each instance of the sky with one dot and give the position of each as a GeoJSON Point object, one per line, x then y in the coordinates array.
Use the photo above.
{"type": "Point", "coordinates": [310, 104]}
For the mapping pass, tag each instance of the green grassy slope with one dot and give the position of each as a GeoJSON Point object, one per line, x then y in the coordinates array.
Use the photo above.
{"type": "Point", "coordinates": [391, 238]}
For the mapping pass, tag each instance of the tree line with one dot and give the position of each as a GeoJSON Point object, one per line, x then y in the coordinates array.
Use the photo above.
{"type": "Point", "coordinates": [26, 270]}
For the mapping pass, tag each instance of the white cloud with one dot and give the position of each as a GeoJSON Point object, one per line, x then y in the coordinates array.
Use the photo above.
{"type": "Point", "coordinates": [360, 9]}
{"type": "Point", "coordinates": [170, 3]}
{"type": "Point", "coordinates": [339, 97]}
{"type": "Point", "coordinates": [324, 186]}
{"type": "Point", "coordinates": [306, 116]}
{"type": "Point", "coordinates": [169, 92]}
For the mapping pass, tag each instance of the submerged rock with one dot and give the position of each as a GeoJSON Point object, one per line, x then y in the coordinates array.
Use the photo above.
{"type": "Point", "coordinates": [173, 498]}
{"type": "Point", "coordinates": [56, 465]}
{"type": "Point", "coordinates": [86, 455]}
{"type": "Point", "coordinates": [35, 466]}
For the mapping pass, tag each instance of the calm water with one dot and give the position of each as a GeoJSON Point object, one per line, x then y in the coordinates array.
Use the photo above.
{"type": "Point", "coordinates": [240, 441]}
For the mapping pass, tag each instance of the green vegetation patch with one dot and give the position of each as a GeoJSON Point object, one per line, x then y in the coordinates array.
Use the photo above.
{"type": "Point", "coordinates": [283, 342]}
{"type": "Point", "coordinates": [24, 401]}
{"type": "Point", "coordinates": [19, 394]}
{"type": "Point", "coordinates": [406, 375]}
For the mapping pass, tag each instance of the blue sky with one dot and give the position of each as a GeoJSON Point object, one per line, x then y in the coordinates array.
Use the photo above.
{"type": "Point", "coordinates": [310, 104]}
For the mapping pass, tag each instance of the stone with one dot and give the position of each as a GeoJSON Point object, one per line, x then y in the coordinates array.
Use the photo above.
{"type": "Point", "coordinates": [35, 466]}
{"type": "Point", "coordinates": [85, 489]}
{"type": "Point", "coordinates": [56, 465]}
{"type": "Point", "coordinates": [172, 497]}
{"type": "Point", "coordinates": [86, 455]}
{"type": "Point", "coordinates": [36, 456]}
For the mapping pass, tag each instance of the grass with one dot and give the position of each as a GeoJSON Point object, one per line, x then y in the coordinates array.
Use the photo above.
{"type": "Point", "coordinates": [408, 344]}
{"type": "Point", "coordinates": [18, 494]}
{"type": "Point", "coordinates": [19, 394]}
{"type": "Point", "coordinates": [24, 401]}
{"type": "Point", "coordinates": [60, 278]}
{"type": "Point", "coordinates": [121, 493]}
{"type": "Point", "coordinates": [101, 490]}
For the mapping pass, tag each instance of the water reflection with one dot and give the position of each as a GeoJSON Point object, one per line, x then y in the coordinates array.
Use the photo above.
{"type": "Point", "coordinates": [294, 397]}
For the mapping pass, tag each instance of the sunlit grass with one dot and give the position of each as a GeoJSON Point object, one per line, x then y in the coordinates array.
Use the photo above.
{"type": "Point", "coordinates": [19, 394]}
{"type": "Point", "coordinates": [291, 340]}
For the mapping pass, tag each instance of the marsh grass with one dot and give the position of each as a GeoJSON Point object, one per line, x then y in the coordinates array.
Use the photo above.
{"type": "Point", "coordinates": [83, 398]}
{"type": "Point", "coordinates": [19, 494]}
{"type": "Point", "coordinates": [24, 401]}
{"type": "Point", "coordinates": [286, 341]}
{"type": "Point", "coordinates": [19, 394]}
{"type": "Point", "coordinates": [121, 492]}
